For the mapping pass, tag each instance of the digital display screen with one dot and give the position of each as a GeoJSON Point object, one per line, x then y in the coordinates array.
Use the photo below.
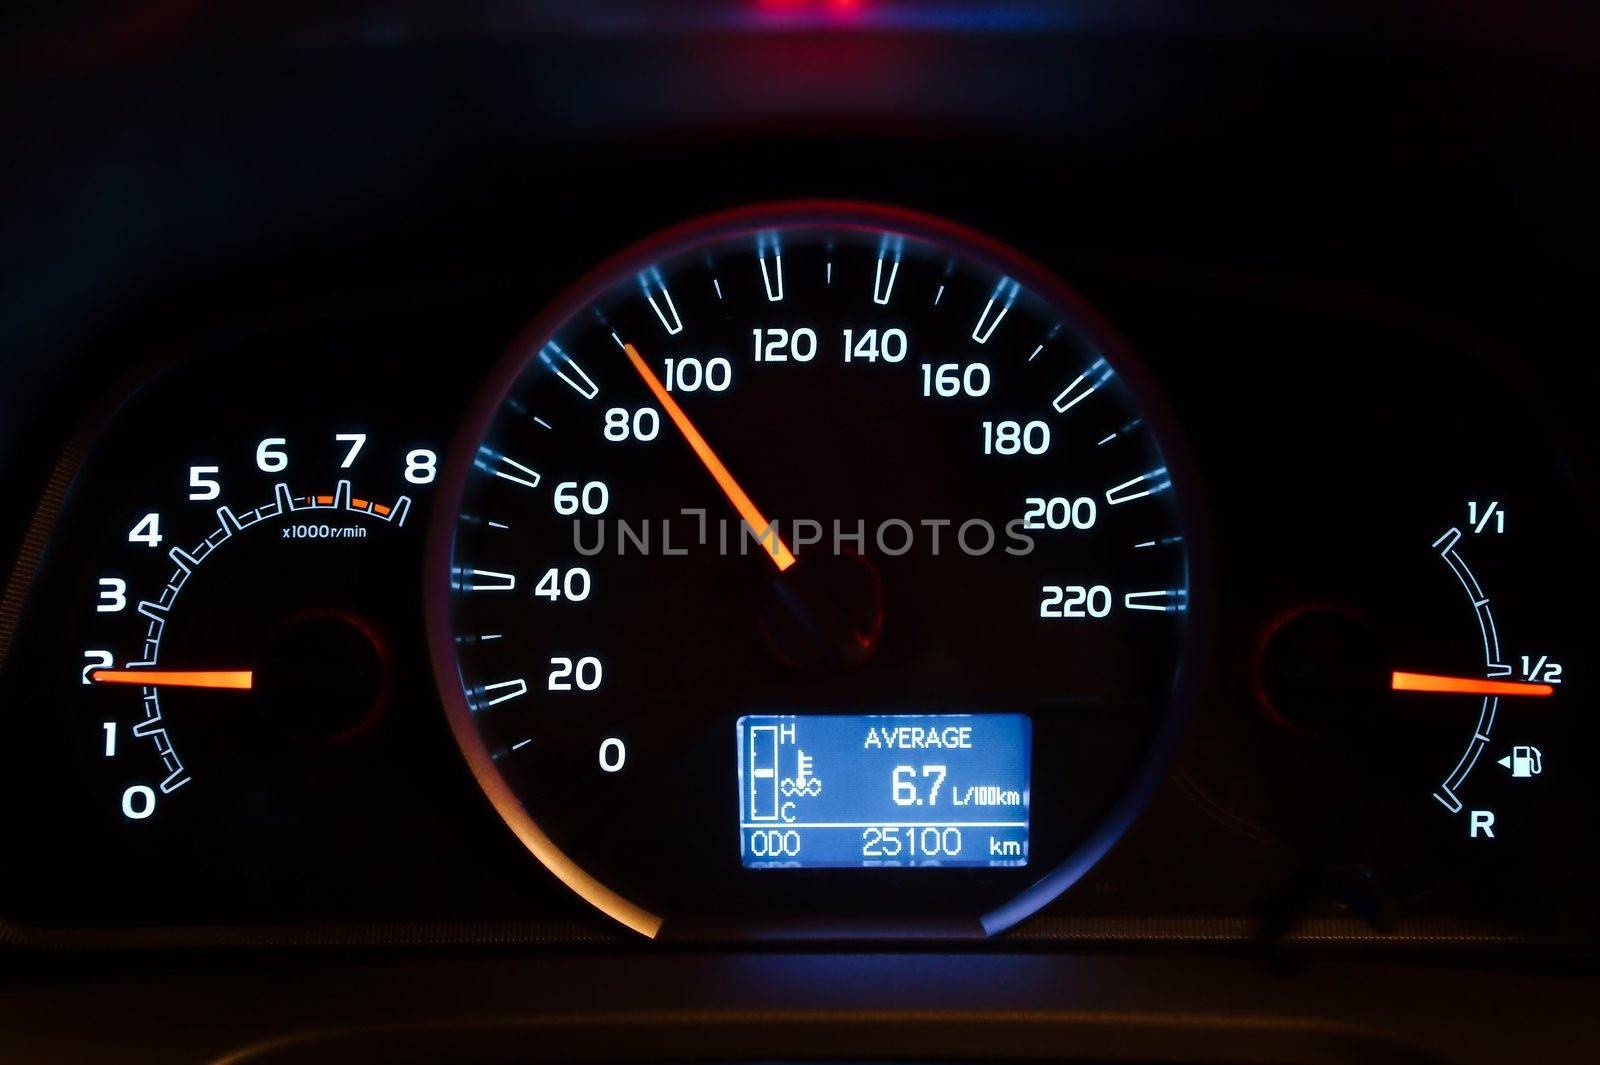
{"type": "Point", "coordinates": [873, 791]}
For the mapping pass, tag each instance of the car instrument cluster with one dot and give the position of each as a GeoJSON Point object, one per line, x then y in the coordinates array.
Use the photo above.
{"type": "Point", "coordinates": [809, 570]}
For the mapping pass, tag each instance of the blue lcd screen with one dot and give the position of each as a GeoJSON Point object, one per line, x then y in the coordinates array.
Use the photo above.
{"type": "Point", "coordinates": [884, 791]}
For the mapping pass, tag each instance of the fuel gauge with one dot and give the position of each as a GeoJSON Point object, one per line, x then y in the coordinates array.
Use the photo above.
{"type": "Point", "coordinates": [1453, 681]}
{"type": "Point", "coordinates": [1497, 680]}
{"type": "Point", "coordinates": [1399, 735]}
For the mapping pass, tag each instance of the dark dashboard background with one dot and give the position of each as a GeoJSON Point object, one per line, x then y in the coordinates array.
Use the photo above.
{"type": "Point", "coordinates": [164, 161]}
{"type": "Point", "coordinates": [1343, 180]}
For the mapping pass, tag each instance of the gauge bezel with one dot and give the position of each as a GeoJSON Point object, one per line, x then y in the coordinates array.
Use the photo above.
{"type": "Point", "coordinates": [848, 216]}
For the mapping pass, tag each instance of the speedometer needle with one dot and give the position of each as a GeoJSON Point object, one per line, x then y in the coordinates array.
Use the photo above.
{"type": "Point", "coordinates": [748, 511]}
{"type": "Point", "coordinates": [242, 680]}
{"type": "Point", "coordinates": [1432, 682]}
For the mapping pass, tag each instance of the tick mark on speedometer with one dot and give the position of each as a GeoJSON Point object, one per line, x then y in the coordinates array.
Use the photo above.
{"type": "Point", "coordinates": [502, 691]}
{"type": "Point", "coordinates": [506, 468]}
{"type": "Point", "coordinates": [1082, 386]}
{"type": "Point", "coordinates": [772, 281]}
{"type": "Point", "coordinates": [568, 370]}
{"type": "Point", "coordinates": [1146, 484]}
{"type": "Point", "coordinates": [1006, 290]}
{"type": "Point", "coordinates": [484, 580]}
{"type": "Point", "coordinates": [652, 286]}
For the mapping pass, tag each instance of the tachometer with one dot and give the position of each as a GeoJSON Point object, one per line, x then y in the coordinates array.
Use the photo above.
{"type": "Point", "coordinates": [815, 569]}
{"type": "Point", "coordinates": [230, 618]}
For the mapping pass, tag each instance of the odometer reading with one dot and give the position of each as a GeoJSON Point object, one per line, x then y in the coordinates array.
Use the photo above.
{"type": "Point", "coordinates": [874, 791]}
{"type": "Point", "coordinates": [838, 460]}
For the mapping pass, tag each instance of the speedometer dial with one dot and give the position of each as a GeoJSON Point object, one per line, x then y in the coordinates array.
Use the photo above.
{"type": "Point", "coordinates": [815, 569]}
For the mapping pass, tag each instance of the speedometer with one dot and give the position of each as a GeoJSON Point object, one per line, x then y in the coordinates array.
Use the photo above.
{"type": "Point", "coordinates": [816, 569]}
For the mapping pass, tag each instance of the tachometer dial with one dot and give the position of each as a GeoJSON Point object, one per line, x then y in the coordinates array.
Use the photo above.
{"type": "Point", "coordinates": [220, 673]}
{"type": "Point", "coordinates": [218, 617]}
{"type": "Point", "coordinates": [815, 569]}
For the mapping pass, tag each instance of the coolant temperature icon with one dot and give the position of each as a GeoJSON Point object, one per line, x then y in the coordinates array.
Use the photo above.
{"type": "Point", "coordinates": [804, 782]}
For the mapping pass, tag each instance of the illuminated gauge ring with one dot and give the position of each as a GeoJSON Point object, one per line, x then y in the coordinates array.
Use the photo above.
{"type": "Point", "coordinates": [1165, 721]}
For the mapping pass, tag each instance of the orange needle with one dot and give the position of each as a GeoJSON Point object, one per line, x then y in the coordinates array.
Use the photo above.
{"type": "Point", "coordinates": [1432, 682]}
{"type": "Point", "coordinates": [242, 679]}
{"type": "Point", "coordinates": [747, 510]}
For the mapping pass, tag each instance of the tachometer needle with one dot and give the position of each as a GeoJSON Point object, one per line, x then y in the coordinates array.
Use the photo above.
{"type": "Point", "coordinates": [1432, 682]}
{"type": "Point", "coordinates": [748, 511]}
{"type": "Point", "coordinates": [241, 679]}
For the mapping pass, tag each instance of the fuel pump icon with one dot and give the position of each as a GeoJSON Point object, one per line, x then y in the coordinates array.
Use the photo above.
{"type": "Point", "coordinates": [1524, 761]}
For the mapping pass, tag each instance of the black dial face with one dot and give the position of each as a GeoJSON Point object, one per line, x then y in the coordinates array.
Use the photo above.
{"type": "Point", "coordinates": [815, 569]}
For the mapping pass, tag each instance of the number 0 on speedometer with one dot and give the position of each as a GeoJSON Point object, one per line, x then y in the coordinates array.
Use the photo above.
{"type": "Point", "coordinates": [818, 569]}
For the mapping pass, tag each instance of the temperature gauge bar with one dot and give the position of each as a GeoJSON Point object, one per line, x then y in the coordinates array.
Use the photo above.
{"type": "Point", "coordinates": [884, 791]}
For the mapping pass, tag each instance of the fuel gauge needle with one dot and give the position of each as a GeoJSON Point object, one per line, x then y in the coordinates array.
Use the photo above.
{"type": "Point", "coordinates": [238, 679]}
{"type": "Point", "coordinates": [775, 547]}
{"type": "Point", "coordinates": [1433, 682]}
